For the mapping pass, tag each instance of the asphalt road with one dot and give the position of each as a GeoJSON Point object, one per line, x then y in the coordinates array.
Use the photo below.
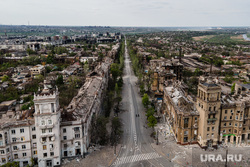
{"type": "Point", "coordinates": [136, 148]}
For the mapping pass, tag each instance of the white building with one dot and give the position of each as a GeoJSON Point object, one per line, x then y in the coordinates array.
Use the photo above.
{"type": "Point", "coordinates": [47, 134]}
{"type": "Point", "coordinates": [36, 70]}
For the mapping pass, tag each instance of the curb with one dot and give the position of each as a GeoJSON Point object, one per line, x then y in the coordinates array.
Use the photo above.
{"type": "Point", "coordinates": [113, 160]}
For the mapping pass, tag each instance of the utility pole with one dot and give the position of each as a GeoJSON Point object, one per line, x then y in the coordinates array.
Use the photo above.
{"type": "Point", "coordinates": [115, 143]}
{"type": "Point", "coordinates": [157, 137]}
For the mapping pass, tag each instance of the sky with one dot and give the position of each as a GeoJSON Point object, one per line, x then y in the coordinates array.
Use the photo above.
{"type": "Point", "coordinates": [150, 13]}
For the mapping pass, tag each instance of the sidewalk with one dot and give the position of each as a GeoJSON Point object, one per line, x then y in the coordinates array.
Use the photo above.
{"type": "Point", "coordinates": [102, 157]}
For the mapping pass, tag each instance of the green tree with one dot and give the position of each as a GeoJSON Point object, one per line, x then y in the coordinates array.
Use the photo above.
{"type": "Point", "coordinates": [228, 79]}
{"type": "Point", "coordinates": [5, 78]}
{"type": "Point", "coordinates": [99, 133]}
{"type": "Point", "coordinates": [50, 59]}
{"type": "Point", "coordinates": [197, 72]}
{"type": "Point", "coordinates": [145, 100]}
{"type": "Point", "coordinates": [115, 71]}
{"type": "Point", "coordinates": [233, 88]}
{"type": "Point", "coordinates": [150, 112]}
{"type": "Point", "coordinates": [116, 130]}
{"type": "Point", "coordinates": [30, 51]}
{"type": "Point", "coordinates": [59, 80]}
{"type": "Point", "coordinates": [152, 121]}
{"type": "Point", "coordinates": [11, 164]}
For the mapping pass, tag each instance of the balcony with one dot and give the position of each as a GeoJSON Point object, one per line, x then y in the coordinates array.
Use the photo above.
{"type": "Point", "coordinates": [212, 112]}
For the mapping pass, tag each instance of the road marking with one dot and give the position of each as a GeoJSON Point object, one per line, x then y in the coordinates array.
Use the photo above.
{"type": "Point", "coordinates": [136, 158]}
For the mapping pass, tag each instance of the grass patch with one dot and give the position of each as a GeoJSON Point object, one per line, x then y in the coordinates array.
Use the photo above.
{"type": "Point", "coordinates": [203, 38]}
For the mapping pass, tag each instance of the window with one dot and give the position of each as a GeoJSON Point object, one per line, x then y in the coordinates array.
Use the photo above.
{"type": "Point", "coordinates": [35, 152]}
{"type": "Point", "coordinates": [224, 131]}
{"type": "Point", "coordinates": [231, 111]}
{"type": "Point", "coordinates": [7, 150]}
{"type": "Point", "coordinates": [64, 137]}
{"type": "Point", "coordinates": [44, 147]}
{"type": "Point", "coordinates": [34, 144]}
{"type": "Point", "coordinates": [44, 155]}
{"type": "Point", "coordinates": [236, 125]}
{"type": "Point", "coordinates": [230, 124]}
{"type": "Point", "coordinates": [49, 121]}
{"type": "Point", "coordinates": [21, 130]}
{"type": "Point", "coordinates": [240, 125]}
{"type": "Point", "coordinates": [212, 135]}
{"type": "Point", "coordinates": [13, 132]}
{"type": "Point", "coordinates": [236, 117]}
{"type": "Point", "coordinates": [22, 138]}
{"type": "Point", "coordinates": [208, 128]}
{"type": "Point", "coordinates": [3, 160]}
{"type": "Point", "coordinates": [51, 154]}
{"type": "Point", "coordinates": [186, 122]}
{"type": "Point", "coordinates": [78, 129]}
{"type": "Point", "coordinates": [231, 117]}
{"type": "Point", "coordinates": [50, 130]}
{"type": "Point", "coordinates": [213, 128]}
{"type": "Point", "coordinates": [225, 111]}
{"type": "Point", "coordinates": [214, 108]}
{"type": "Point", "coordinates": [64, 130]}
{"type": "Point", "coordinates": [43, 130]}
{"type": "Point", "coordinates": [225, 117]}
{"type": "Point", "coordinates": [195, 118]}
{"type": "Point", "coordinates": [33, 136]}
{"type": "Point", "coordinates": [14, 140]}
{"type": "Point", "coordinates": [2, 151]}
{"type": "Point", "coordinates": [24, 154]}
{"type": "Point", "coordinates": [33, 129]}
{"type": "Point", "coordinates": [207, 135]}
{"type": "Point", "coordinates": [50, 138]}
{"type": "Point", "coordinates": [51, 146]}
{"type": "Point", "coordinates": [244, 128]}
{"type": "Point", "coordinates": [14, 147]}
{"type": "Point", "coordinates": [44, 139]}
{"type": "Point", "coordinates": [23, 146]}
{"type": "Point", "coordinates": [65, 145]}
{"type": "Point", "coordinates": [225, 124]}
{"type": "Point", "coordinates": [77, 135]}
{"type": "Point", "coordinates": [42, 122]}
{"type": "Point", "coordinates": [229, 130]}
{"type": "Point", "coordinates": [235, 131]}
{"type": "Point", "coordinates": [52, 107]}
{"type": "Point", "coordinates": [209, 108]}
{"type": "Point", "coordinates": [186, 132]}
{"type": "Point", "coordinates": [185, 139]}
{"type": "Point", "coordinates": [15, 156]}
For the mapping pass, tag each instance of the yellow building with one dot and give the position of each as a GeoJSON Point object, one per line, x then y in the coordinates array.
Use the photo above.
{"type": "Point", "coordinates": [209, 119]}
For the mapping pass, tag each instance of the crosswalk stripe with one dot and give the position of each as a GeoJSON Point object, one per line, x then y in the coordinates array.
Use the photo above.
{"type": "Point", "coordinates": [136, 158]}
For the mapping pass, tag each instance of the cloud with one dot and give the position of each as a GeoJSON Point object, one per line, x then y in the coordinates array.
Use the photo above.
{"type": "Point", "coordinates": [127, 13]}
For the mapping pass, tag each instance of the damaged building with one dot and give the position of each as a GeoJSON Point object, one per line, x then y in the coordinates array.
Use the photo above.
{"type": "Point", "coordinates": [209, 119]}
{"type": "Point", "coordinates": [48, 133]}
{"type": "Point", "coordinates": [163, 71]}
